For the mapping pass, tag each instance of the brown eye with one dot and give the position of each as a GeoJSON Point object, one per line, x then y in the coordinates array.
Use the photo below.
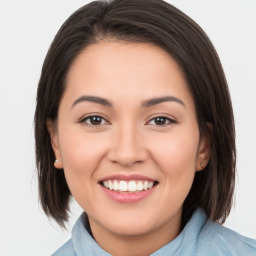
{"type": "Point", "coordinates": [94, 120]}
{"type": "Point", "coordinates": [161, 121]}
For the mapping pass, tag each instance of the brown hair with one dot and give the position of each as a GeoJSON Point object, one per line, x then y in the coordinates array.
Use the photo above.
{"type": "Point", "coordinates": [161, 24]}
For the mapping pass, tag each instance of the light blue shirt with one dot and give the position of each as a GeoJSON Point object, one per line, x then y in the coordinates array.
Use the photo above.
{"type": "Point", "coordinates": [199, 237]}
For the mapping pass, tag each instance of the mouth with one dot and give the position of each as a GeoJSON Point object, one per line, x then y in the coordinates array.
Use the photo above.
{"type": "Point", "coordinates": [128, 186]}
{"type": "Point", "coordinates": [128, 189]}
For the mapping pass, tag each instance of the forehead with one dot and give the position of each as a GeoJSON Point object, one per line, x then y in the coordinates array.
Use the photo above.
{"type": "Point", "coordinates": [126, 70]}
{"type": "Point", "coordinates": [106, 57]}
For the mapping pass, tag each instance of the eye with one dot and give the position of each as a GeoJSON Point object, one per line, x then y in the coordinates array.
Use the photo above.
{"type": "Point", "coordinates": [161, 121]}
{"type": "Point", "coordinates": [93, 120]}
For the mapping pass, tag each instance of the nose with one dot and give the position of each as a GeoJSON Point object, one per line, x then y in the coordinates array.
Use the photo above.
{"type": "Point", "coordinates": [128, 147]}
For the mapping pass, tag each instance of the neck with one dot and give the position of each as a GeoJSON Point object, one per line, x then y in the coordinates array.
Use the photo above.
{"type": "Point", "coordinates": [135, 245]}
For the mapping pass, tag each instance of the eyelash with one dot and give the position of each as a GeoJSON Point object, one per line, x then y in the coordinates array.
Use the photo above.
{"type": "Point", "coordinates": [169, 120]}
{"type": "Point", "coordinates": [83, 120]}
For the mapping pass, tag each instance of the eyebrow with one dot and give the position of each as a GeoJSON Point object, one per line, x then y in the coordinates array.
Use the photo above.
{"type": "Point", "coordinates": [145, 104]}
{"type": "Point", "coordinates": [155, 101]}
{"type": "Point", "coordinates": [94, 99]}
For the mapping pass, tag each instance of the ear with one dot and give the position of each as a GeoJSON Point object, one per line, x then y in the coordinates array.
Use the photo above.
{"type": "Point", "coordinates": [52, 129]}
{"type": "Point", "coordinates": [204, 149]}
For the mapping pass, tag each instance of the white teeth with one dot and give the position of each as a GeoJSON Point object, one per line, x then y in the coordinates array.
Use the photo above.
{"type": "Point", "coordinates": [115, 185]}
{"type": "Point", "coordinates": [140, 186]}
{"type": "Point", "coordinates": [105, 183]}
{"type": "Point", "coordinates": [132, 186]}
{"type": "Point", "coordinates": [123, 186]}
{"type": "Point", "coordinates": [145, 185]}
{"type": "Point", "coordinates": [127, 186]}
{"type": "Point", "coordinates": [110, 185]}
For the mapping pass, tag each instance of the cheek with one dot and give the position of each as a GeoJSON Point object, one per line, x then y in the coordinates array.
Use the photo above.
{"type": "Point", "coordinates": [78, 147]}
{"type": "Point", "coordinates": [175, 153]}
{"type": "Point", "coordinates": [176, 159]}
{"type": "Point", "coordinates": [80, 156]}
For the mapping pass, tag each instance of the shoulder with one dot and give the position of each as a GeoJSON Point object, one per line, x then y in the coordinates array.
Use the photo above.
{"type": "Point", "coordinates": [81, 243]}
{"type": "Point", "coordinates": [65, 250]}
{"type": "Point", "coordinates": [235, 242]}
{"type": "Point", "coordinates": [220, 240]}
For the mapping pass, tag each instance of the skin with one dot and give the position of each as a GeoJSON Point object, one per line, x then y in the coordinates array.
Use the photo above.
{"type": "Point", "coordinates": [127, 141]}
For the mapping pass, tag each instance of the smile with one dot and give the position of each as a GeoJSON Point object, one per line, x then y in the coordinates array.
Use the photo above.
{"type": "Point", "coordinates": [128, 186]}
{"type": "Point", "coordinates": [128, 189]}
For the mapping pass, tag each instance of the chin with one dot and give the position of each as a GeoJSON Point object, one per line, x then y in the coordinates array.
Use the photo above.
{"type": "Point", "coordinates": [131, 225]}
{"type": "Point", "coordinates": [131, 230]}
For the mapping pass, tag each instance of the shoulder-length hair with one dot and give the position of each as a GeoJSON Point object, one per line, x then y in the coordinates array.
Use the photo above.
{"type": "Point", "coordinates": [159, 23]}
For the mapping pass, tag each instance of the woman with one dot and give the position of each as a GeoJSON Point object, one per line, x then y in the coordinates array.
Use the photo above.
{"type": "Point", "coordinates": [134, 120]}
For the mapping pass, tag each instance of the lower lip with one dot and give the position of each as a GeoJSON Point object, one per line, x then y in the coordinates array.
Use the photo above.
{"type": "Point", "coordinates": [125, 197]}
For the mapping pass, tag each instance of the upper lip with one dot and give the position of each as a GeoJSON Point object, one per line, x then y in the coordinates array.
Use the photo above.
{"type": "Point", "coordinates": [126, 177]}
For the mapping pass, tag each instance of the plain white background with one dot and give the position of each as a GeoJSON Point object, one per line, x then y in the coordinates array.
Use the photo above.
{"type": "Point", "coordinates": [27, 29]}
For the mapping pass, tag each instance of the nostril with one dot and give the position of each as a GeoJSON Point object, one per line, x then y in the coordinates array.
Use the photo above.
{"type": "Point", "coordinates": [128, 153]}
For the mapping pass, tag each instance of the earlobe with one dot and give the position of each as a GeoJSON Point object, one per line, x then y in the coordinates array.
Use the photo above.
{"type": "Point", "coordinates": [58, 164]}
{"type": "Point", "coordinates": [204, 150]}
{"type": "Point", "coordinates": [51, 126]}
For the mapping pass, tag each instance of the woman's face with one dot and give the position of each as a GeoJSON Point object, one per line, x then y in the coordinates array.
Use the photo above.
{"type": "Point", "coordinates": [127, 121]}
